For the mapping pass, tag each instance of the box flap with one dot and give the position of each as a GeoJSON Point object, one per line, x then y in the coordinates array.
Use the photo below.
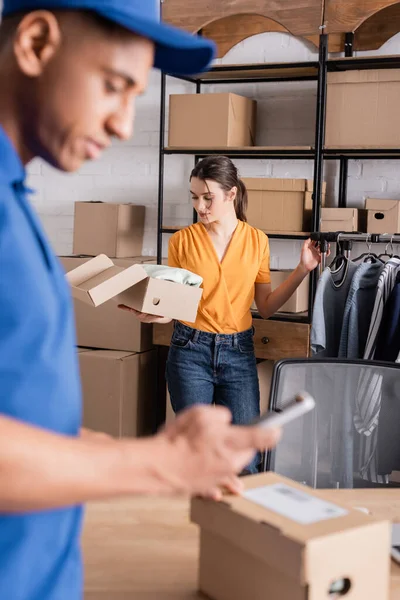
{"type": "Point", "coordinates": [99, 280]}
{"type": "Point", "coordinates": [271, 184]}
{"type": "Point", "coordinates": [89, 269]}
{"type": "Point", "coordinates": [367, 76]}
{"type": "Point", "coordinates": [381, 205]}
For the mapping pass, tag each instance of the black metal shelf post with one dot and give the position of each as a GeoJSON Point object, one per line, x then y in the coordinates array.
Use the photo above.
{"type": "Point", "coordinates": [344, 161]}
{"type": "Point", "coordinates": [319, 157]}
{"type": "Point", "coordinates": [161, 159]}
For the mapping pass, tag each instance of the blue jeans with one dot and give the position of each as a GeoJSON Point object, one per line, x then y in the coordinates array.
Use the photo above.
{"type": "Point", "coordinates": [209, 368]}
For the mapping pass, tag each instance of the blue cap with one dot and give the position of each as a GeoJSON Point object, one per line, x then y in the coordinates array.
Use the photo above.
{"type": "Point", "coordinates": [177, 52]}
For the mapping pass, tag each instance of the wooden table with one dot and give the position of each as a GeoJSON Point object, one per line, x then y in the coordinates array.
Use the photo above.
{"type": "Point", "coordinates": [146, 549]}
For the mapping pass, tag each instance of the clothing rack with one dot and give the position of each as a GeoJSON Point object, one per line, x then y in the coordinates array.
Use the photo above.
{"type": "Point", "coordinates": [324, 238]}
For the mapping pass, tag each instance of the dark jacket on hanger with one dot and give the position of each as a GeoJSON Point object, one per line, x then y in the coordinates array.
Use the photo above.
{"type": "Point", "coordinates": [330, 301]}
{"type": "Point", "coordinates": [387, 349]}
{"type": "Point", "coordinates": [388, 344]}
{"type": "Point", "coordinates": [358, 310]}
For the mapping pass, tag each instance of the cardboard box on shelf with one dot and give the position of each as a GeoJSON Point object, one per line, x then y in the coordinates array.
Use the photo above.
{"type": "Point", "coordinates": [107, 228]}
{"type": "Point", "coordinates": [211, 120]}
{"type": "Point", "coordinates": [118, 391]}
{"type": "Point", "coordinates": [343, 219]}
{"type": "Point", "coordinates": [362, 109]}
{"type": "Point", "coordinates": [308, 200]}
{"type": "Point", "coordinates": [282, 541]}
{"type": "Point", "coordinates": [100, 279]}
{"type": "Point", "coordinates": [108, 326]}
{"type": "Point", "coordinates": [278, 205]}
{"type": "Point", "coordinates": [298, 302]}
{"type": "Point", "coordinates": [383, 216]}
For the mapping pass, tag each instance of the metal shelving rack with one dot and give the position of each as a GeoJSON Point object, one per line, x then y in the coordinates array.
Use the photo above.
{"type": "Point", "coordinates": [301, 71]}
{"type": "Point", "coordinates": [221, 75]}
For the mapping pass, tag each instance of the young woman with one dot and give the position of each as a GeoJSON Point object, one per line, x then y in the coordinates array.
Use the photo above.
{"type": "Point", "coordinates": [212, 361]}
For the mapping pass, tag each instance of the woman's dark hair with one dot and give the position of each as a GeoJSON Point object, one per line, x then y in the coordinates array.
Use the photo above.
{"type": "Point", "coordinates": [222, 170]}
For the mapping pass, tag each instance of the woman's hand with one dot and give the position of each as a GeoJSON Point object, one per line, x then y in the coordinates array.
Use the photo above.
{"type": "Point", "coordinates": [144, 317]}
{"type": "Point", "coordinates": [310, 256]}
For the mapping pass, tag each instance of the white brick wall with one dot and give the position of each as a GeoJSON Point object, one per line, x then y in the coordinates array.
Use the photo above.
{"type": "Point", "coordinates": [129, 171]}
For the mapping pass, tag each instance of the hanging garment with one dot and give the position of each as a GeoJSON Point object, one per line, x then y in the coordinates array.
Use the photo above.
{"type": "Point", "coordinates": [173, 274]}
{"type": "Point", "coordinates": [357, 316]}
{"type": "Point", "coordinates": [329, 305]}
{"type": "Point", "coordinates": [386, 284]}
{"type": "Point", "coordinates": [358, 310]}
{"type": "Point", "coordinates": [369, 393]}
{"type": "Point", "coordinates": [388, 349]}
{"type": "Point", "coordinates": [388, 342]}
{"type": "Point", "coordinates": [330, 301]}
{"type": "Point", "coordinates": [388, 446]}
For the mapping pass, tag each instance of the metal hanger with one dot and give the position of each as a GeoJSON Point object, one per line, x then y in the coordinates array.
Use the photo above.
{"type": "Point", "coordinates": [340, 258]}
{"type": "Point", "coordinates": [368, 256]}
{"type": "Point", "coordinates": [386, 253]}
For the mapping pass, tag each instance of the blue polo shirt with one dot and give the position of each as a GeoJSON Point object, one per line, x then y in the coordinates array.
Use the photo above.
{"type": "Point", "coordinates": [39, 385]}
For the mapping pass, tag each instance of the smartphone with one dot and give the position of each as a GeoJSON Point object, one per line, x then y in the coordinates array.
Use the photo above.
{"type": "Point", "coordinates": [300, 405]}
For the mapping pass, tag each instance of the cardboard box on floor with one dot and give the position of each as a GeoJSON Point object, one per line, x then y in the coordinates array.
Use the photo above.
{"type": "Point", "coordinates": [107, 228]}
{"type": "Point", "coordinates": [343, 219]}
{"type": "Point", "coordinates": [118, 391]}
{"type": "Point", "coordinates": [278, 205]}
{"type": "Point", "coordinates": [298, 302]}
{"type": "Point", "coordinates": [211, 120]}
{"type": "Point", "coordinates": [281, 541]}
{"type": "Point", "coordinates": [99, 280]}
{"type": "Point", "coordinates": [362, 109]}
{"type": "Point", "coordinates": [383, 216]}
{"type": "Point", "coordinates": [108, 326]}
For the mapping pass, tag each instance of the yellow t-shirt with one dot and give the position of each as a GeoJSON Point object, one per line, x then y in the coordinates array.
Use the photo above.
{"type": "Point", "coordinates": [228, 285]}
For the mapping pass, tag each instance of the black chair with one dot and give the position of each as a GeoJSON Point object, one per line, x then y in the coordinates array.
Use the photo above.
{"type": "Point", "coordinates": [352, 438]}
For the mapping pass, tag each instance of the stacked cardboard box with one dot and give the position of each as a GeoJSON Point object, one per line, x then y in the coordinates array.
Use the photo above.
{"type": "Point", "coordinates": [383, 216]}
{"type": "Point", "coordinates": [280, 205]}
{"type": "Point", "coordinates": [362, 109]}
{"type": "Point", "coordinates": [117, 360]}
{"type": "Point", "coordinates": [211, 121]}
{"type": "Point", "coordinates": [343, 219]}
{"type": "Point", "coordinates": [298, 302]}
{"type": "Point", "coordinates": [118, 391]}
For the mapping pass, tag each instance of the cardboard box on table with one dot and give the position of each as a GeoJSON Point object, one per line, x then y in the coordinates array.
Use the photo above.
{"type": "Point", "coordinates": [281, 541]}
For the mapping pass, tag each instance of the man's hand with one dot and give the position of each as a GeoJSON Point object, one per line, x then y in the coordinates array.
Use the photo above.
{"type": "Point", "coordinates": [208, 452]}
{"type": "Point", "coordinates": [144, 317]}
